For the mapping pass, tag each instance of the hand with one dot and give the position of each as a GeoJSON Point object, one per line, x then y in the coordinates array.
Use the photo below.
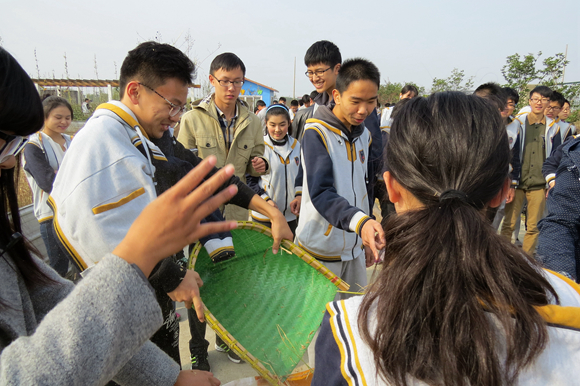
{"type": "Point", "coordinates": [259, 165]}
{"type": "Point", "coordinates": [272, 203]}
{"type": "Point", "coordinates": [295, 205]}
{"type": "Point", "coordinates": [172, 221]}
{"type": "Point", "coordinates": [196, 378]}
{"type": "Point", "coordinates": [550, 186]}
{"type": "Point", "coordinates": [510, 195]}
{"type": "Point", "coordinates": [370, 259]}
{"type": "Point", "coordinates": [373, 237]}
{"type": "Point", "coordinates": [280, 230]}
{"type": "Point", "coordinates": [188, 292]}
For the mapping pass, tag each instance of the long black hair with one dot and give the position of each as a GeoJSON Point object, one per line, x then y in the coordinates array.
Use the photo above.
{"type": "Point", "coordinates": [446, 272]}
{"type": "Point", "coordinates": [21, 114]}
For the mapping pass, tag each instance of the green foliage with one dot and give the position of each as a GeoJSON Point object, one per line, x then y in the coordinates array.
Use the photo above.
{"type": "Point", "coordinates": [389, 91]}
{"type": "Point", "coordinates": [521, 73]}
{"type": "Point", "coordinates": [455, 82]}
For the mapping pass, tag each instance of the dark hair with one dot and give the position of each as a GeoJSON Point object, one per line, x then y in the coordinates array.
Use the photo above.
{"type": "Point", "coordinates": [293, 102]}
{"type": "Point", "coordinates": [153, 64]}
{"type": "Point", "coordinates": [276, 110]}
{"type": "Point", "coordinates": [511, 94]}
{"type": "Point", "coordinates": [313, 94]}
{"type": "Point", "coordinates": [544, 91]}
{"type": "Point", "coordinates": [227, 62]}
{"type": "Point", "coordinates": [20, 113]}
{"type": "Point", "coordinates": [282, 99]}
{"type": "Point", "coordinates": [566, 101]}
{"type": "Point", "coordinates": [260, 103]}
{"type": "Point", "coordinates": [356, 69]}
{"type": "Point", "coordinates": [557, 97]}
{"type": "Point", "coordinates": [53, 102]}
{"type": "Point", "coordinates": [275, 102]}
{"type": "Point", "coordinates": [398, 106]}
{"type": "Point", "coordinates": [410, 87]}
{"type": "Point", "coordinates": [446, 271]}
{"type": "Point", "coordinates": [494, 93]}
{"type": "Point", "coordinates": [305, 98]}
{"type": "Point", "coordinates": [323, 52]}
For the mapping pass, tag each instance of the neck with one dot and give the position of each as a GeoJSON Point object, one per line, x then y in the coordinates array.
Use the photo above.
{"type": "Point", "coordinates": [55, 136]}
{"type": "Point", "coordinates": [537, 116]}
{"type": "Point", "coordinates": [336, 111]}
{"type": "Point", "coordinates": [329, 91]}
{"type": "Point", "coordinates": [228, 109]}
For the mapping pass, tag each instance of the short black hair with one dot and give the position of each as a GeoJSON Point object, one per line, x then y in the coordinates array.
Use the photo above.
{"type": "Point", "coordinates": [282, 99]}
{"type": "Point", "coordinates": [306, 98]}
{"type": "Point", "coordinates": [398, 106]}
{"type": "Point", "coordinates": [410, 87]}
{"type": "Point", "coordinates": [153, 63]}
{"type": "Point", "coordinates": [557, 97]}
{"type": "Point", "coordinates": [356, 69]}
{"type": "Point", "coordinates": [567, 101]}
{"type": "Point", "coordinates": [260, 103]}
{"type": "Point", "coordinates": [313, 94]}
{"type": "Point", "coordinates": [544, 91]}
{"type": "Point", "coordinates": [511, 94]}
{"type": "Point", "coordinates": [494, 93]}
{"type": "Point", "coordinates": [228, 62]}
{"type": "Point", "coordinates": [324, 52]}
{"type": "Point", "coordinates": [294, 102]}
{"type": "Point", "coordinates": [52, 102]}
{"type": "Point", "coordinates": [275, 102]}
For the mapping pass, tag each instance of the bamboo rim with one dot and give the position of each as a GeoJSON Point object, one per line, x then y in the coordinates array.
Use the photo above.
{"type": "Point", "coordinates": [223, 333]}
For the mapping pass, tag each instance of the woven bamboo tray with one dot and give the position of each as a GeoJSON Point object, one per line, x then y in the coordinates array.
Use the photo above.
{"type": "Point", "coordinates": [265, 307]}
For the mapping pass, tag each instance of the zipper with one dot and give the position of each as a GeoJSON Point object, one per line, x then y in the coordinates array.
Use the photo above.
{"type": "Point", "coordinates": [353, 152]}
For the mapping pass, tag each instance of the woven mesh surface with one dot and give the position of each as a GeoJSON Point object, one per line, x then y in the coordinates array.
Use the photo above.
{"type": "Point", "coordinates": [271, 304]}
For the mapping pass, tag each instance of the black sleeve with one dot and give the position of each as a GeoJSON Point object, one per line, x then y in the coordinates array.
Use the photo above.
{"type": "Point", "coordinates": [244, 195]}
{"type": "Point", "coordinates": [38, 167]}
{"type": "Point", "coordinates": [375, 156]}
{"type": "Point", "coordinates": [168, 275]}
{"type": "Point", "coordinates": [254, 184]}
{"type": "Point", "coordinates": [516, 162]}
{"type": "Point", "coordinates": [328, 358]}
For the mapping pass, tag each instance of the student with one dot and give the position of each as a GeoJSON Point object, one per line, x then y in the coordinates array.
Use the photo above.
{"type": "Point", "coordinates": [535, 145]}
{"type": "Point", "coordinates": [222, 125]}
{"type": "Point", "coordinates": [282, 101]}
{"type": "Point", "coordinates": [55, 333]}
{"type": "Point", "coordinates": [302, 116]}
{"type": "Point", "coordinates": [335, 226]}
{"type": "Point", "coordinates": [408, 91]}
{"type": "Point", "coordinates": [562, 130]}
{"type": "Point", "coordinates": [43, 155]}
{"type": "Point", "coordinates": [323, 61]}
{"type": "Point", "coordinates": [293, 108]}
{"type": "Point", "coordinates": [283, 155]}
{"type": "Point", "coordinates": [115, 168]}
{"type": "Point", "coordinates": [565, 113]}
{"type": "Point", "coordinates": [455, 303]}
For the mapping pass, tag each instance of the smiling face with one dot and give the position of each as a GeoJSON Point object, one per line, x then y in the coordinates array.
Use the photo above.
{"type": "Point", "coordinates": [277, 126]}
{"type": "Point", "coordinates": [553, 110]}
{"type": "Point", "coordinates": [152, 110]}
{"type": "Point", "coordinates": [355, 104]}
{"type": "Point", "coordinates": [226, 95]}
{"type": "Point", "coordinates": [58, 120]}
{"type": "Point", "coordinates": [538, 103]}
{"type": "Point", "coordinates": [326, 80]}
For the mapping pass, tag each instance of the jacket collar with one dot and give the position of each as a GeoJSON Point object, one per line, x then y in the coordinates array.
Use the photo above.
{"type": "Point", "coordinates": [325, 114]}
{"type": "Point", "coordinates": [208, 105]}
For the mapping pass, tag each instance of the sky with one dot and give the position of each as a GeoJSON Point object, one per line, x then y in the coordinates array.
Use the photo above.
{"type": "Point", "coordinates": [408, 40]}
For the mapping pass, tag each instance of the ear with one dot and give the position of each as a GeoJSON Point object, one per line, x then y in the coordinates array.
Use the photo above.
{"type": "Point", "coordinates": [501, 195]}
{"type": "Point", "coordinates": [211, 80]}
{"type": "Point", "coordinates": [132, 91]}
{"type": "Point", "coordinates": [336, 69]}
{"type": "Point", "coordinates": [393, 187]}
{"type": "Point", "coordinates": [336, 96]}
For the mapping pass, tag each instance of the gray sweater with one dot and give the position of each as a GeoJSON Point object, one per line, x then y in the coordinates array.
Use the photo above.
{"type": "Point", "coordinates": [85, 335]}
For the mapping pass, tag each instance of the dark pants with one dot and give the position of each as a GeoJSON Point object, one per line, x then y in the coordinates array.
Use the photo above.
{"type": "Point", "coordinates": [58, 260]}
{"type": "Point", "coordinates": [167, 337]}
{"type": "Point", "coordinates": [291, 224]}
{"type": "Point", "coordinates": [197, 344]}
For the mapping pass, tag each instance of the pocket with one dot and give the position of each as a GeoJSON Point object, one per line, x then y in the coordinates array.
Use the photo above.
{"type": "Point", "coordinates": [207, 143]}
{"type": "Point", "coordinates": [328, 230]}
{"type": "Point", "coordinates": [244, 148]}
{"type": "Point", "coordinates": [118, 201]}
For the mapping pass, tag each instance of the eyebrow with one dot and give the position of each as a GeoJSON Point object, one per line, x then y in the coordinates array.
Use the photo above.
{"type": "Point", "coordinates": [355, 98]}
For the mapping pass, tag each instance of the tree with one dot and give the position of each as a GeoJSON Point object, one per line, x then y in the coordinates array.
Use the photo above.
{"type": "Point", "coordinates": [453, 83]}
{"type": "Point", "coordinates": [521, 73]}
{"type": "Point", "coordinates": [389, 91]}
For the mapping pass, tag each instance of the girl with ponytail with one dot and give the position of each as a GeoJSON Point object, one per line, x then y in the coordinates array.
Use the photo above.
{"type": "Point", "coordinates": [455, 304]}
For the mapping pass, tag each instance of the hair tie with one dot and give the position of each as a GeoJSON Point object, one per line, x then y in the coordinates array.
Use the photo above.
{"type": "Point", "coordinates": [452, 194]}
{"type": "Point", "coordinates": [276, 105]}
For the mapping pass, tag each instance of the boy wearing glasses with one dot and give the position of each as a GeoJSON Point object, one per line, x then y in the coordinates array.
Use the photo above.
{"type": "Point", "coordinates": [222, 125]}
{"type": "Point", "coordinates": [535, 145]}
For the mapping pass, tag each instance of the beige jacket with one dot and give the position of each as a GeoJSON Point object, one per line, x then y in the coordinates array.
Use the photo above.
{"type": "Point", "coordinates": [200, 129]}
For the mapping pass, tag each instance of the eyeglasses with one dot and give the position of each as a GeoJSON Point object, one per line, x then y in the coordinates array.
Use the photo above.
{"type": "Point", "coordinates": [536, 100]}
{"type": "Point", "coordinates": [553, 108]}
{"type": "Point", "coordinates": [175, 109]}
{"type": "Point", "coordinates": [227, 83]}
{"type": "Point", "coordinates": [318, 73]}
{"type": "Point", "coordinates": [14, 145]}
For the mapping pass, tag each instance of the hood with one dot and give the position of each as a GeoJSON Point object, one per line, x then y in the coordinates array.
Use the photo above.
{"type": "Point", "coordinates": [325, 114]}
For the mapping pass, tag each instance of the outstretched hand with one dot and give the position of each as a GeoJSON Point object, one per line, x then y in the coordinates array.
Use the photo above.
{"type": "Point", "coordinates": [172, 221]}
{"type": "Point", "coordinates": [188, 292]}
{"type": "Point", "coordinates": [196, 378]}
{"type": "Point", "coordinates": [373, 238]}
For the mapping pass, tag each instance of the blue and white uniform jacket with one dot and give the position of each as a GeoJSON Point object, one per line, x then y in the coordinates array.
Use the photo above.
{"type": "Point", "coordinates": [334, 196]}
{"type": "Point", "coordinates": [278, 184]}
{"type": "Point", "coordinates": [344, 358]}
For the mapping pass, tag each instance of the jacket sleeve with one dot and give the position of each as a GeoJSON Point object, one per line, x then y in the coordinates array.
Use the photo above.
{"type": "Point", "coordinates": [298, 182]}
{"type": "Point", "coordinates": [258, 149]}
{"type": "Point", "coordinates": [89, 336]}
{"type": "Point", "coordinates": [320, 179]}
{"type": "Point", "coordinates": [328, 358]}
{"type": "Point", "coordinates": [559, 236]}
{"type": "Point", "coordinates": [551, 164]}
{"type": "Point", "coordinates": [254, 184]}
{"type": "Point", "coordinates": [186, 132]}
{"type": "Point", "coordinates": [516, 162]}
{"type": "Point", "coordinates": [375, 156]}
{"type": "Point", "coordinates": [38, 167]}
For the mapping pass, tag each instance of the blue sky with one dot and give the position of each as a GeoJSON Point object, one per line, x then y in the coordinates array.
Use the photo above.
{"type": "Point", "coordinates": [408, 40]}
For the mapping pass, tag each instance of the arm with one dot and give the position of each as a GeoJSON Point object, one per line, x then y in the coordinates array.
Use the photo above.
{"type": "Point", "coordinates": [297, 201]}
{"type": "Point", "coordinates": [559, 236]}
{"type": "Point", "coordinates": [375, 156]}
{"type": "Point", "coordinates": [280, 229]}
{"type": "Point", "coordinates": [38, 167]}
{"type": "Point", "coordinates": [516, 162]}
{"type": "Point", "coordinates": [328, 358]}
{"type": "Point", "coordinates": [257, 154]}
{"type": "Point", "coordinates": [254, 184]}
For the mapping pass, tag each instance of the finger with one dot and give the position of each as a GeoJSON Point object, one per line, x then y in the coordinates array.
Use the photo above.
{"type": "Point", "coordinates": [198, 304]}
{"type": "Point", "coordinates": [276, 245]}
{"type": "Point", "coordinates": [194, 177]}
{"type": "Point", "coordinates": [209, 206]}
{"type": "Point", "coordinates": [188, 304]}
{"type": "Point", "coordinates": [208, 187]}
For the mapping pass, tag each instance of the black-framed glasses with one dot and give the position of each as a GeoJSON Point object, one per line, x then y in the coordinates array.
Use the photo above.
{"type": "Point", "coordinates": [536, 100]}
{"type": "Point", "coordinates": [318, 73]}
{"type": "Point", "coordinates": [227, 83]}
{"type": "Point", "coordinates": [14, 145]}
{"type": "Point", "coordinates": [175, 109]}
{"type": "Point", "coordinates": [550, 108]}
